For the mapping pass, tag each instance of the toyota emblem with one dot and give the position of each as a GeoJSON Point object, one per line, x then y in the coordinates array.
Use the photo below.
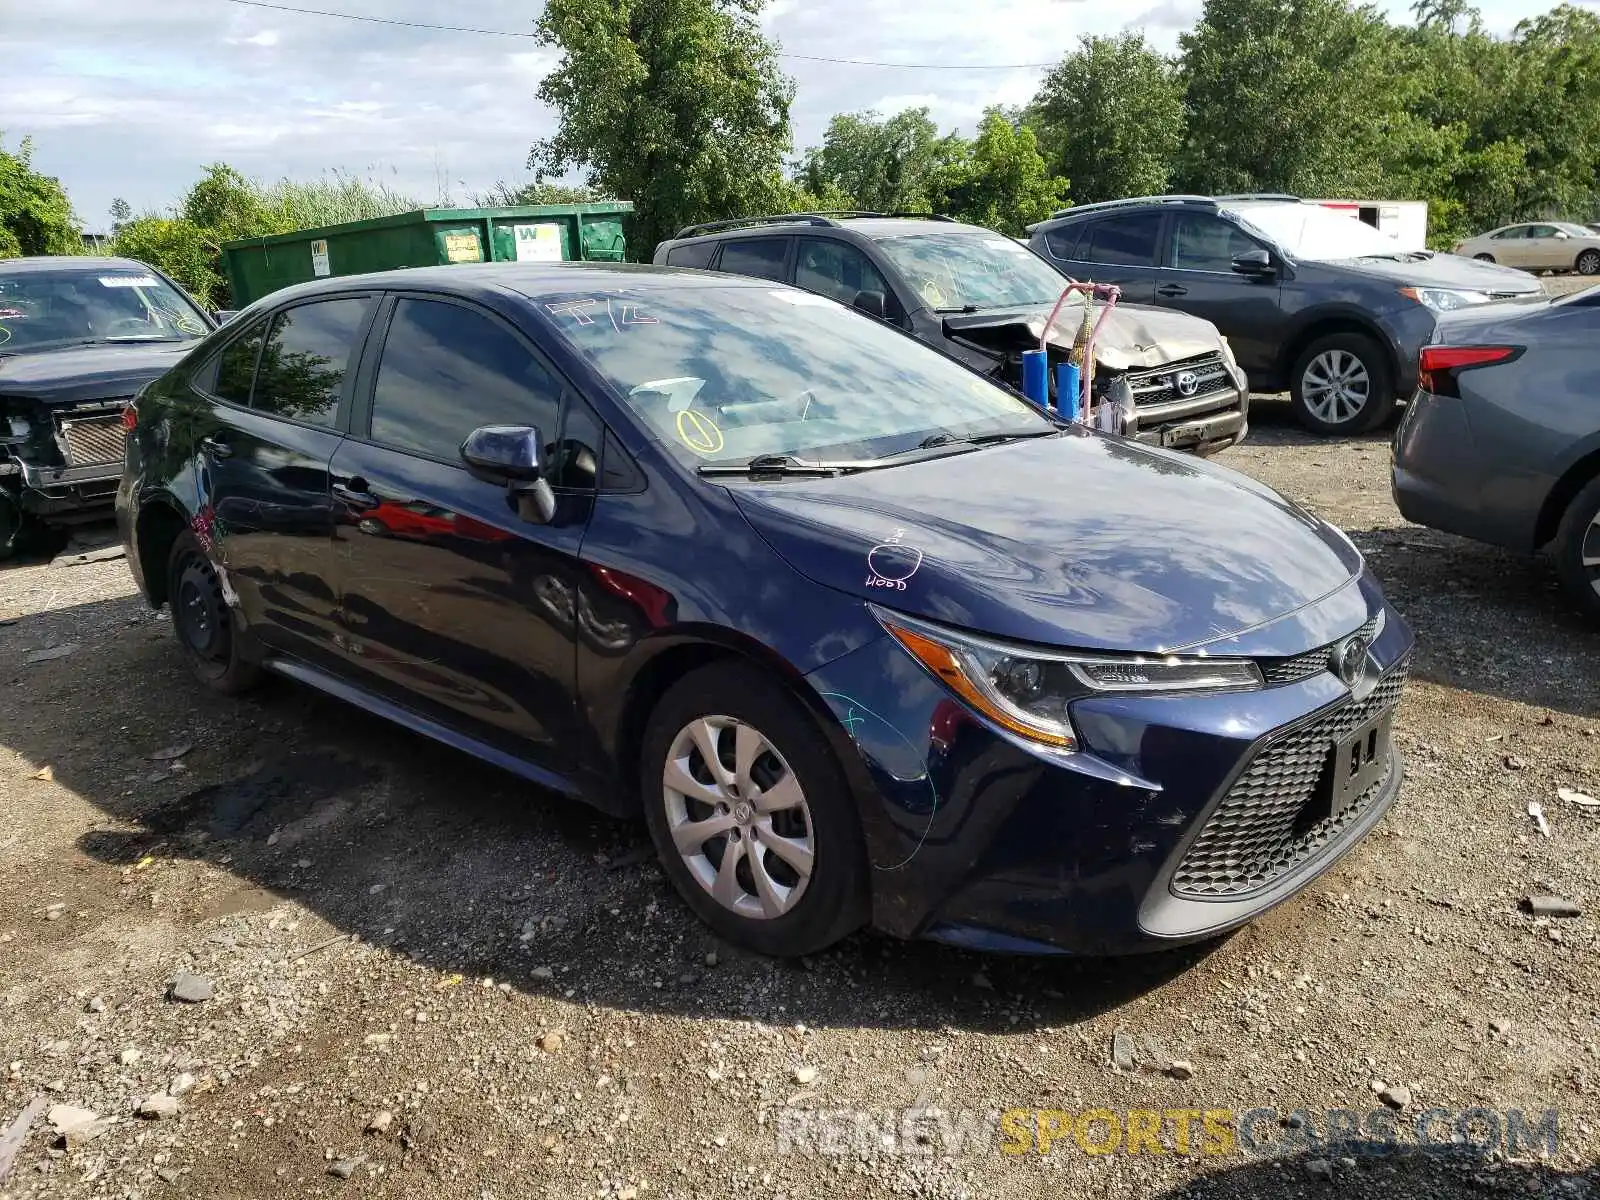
{"type": "Point", "coordinates": [1349, 660]}
{"type": "Point", "coordinates": [1186, 382]}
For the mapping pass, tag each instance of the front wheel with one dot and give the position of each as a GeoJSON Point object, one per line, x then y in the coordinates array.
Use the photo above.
{"type": "Point", "coordinates": [1342, 384]}
{"type": "Point", "coordinates": [1577, 549]}
{"type": "Point", "coordinates": [1588, 263]}
{"type": "Point", "coordinates": [751, 814]}
{"type": "Point", "coordinates": [203, 620]}
{"type": "Point", "coordinates": [1484, 257]}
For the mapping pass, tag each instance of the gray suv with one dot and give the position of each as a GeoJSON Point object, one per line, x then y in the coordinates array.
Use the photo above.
{"type": "Point", "coordinates": [1315, 303]}
{"type": "Point", "coordinates": [983, 298]}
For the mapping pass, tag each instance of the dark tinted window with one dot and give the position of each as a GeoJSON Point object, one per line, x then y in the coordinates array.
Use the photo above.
{"type": "Point", "coordinates": [576, 458]}
{"type": "Point", "coordinates": [236, 366]}
{"type": "Point", "coordinates": [446, 370]}
{"type": "Point", "coordinates": [1122, 241]}
{"type": "Point", "coordinates": [1201, 242]}
{"type": "Point", "coordinates": [307, 355]}
{"type": "Point", "coordinates": [762, 257]}
{"type": "Point", "coordinates": [696, 254]}
{"type": "Point", "coordinates": [836, 269]}
{"type": "Point", "coordinates": [1542, 231]}
{"type": "Point", "coordinates": [1062, 242]}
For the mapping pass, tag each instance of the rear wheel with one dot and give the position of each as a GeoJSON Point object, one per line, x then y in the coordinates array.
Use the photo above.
{"type": "Point", "coordinates": [203, 621]}
{"type": "Point", "coordinates": [1589, 263]}
{"type": "Point", "coordinates": [751, 815]}
{"type": "Point", "coordinates": [1484, 257]}
{"type": "Point", "coordinates": [1577, 549]}
{"type": "Point", "coordinates": [1343, 384]}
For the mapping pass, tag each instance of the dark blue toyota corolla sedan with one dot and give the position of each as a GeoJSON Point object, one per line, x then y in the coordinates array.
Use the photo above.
{"type": "Point", "coordinates": [865, 637]}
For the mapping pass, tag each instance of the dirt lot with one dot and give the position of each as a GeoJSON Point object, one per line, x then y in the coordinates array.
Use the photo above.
{"type": "Point", "coordinates": [506, 992]}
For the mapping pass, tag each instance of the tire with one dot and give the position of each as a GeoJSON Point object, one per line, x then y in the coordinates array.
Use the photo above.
{"type": "Point", "coordinates": [203, 621]}
{"type": "Point", "coordinates": [11, 525]}
{"type": "Point", "coordinates": [796, 912]}
{"type": "Point", "coordinates": [1588, 263]}
{"type": "Point", "coordinates": [1350, 382]}
{"type": "Point", "coordinates": [1484, 257]}
{"type": "Point", "coordinates": [1580, 528]}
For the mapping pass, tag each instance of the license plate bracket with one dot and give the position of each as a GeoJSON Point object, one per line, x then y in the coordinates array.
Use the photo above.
{"type": "Point", "coordinates": [1357, 762]}
{"type": "Point", "coordinates": [1182, 435]}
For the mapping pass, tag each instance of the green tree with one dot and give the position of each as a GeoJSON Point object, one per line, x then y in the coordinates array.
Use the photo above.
{"type": "Point", "coordinates": [182, 249]}
{"type": "Point", "coordinates": [506, 195]}
{"type": "Point", "coordinates": [121, 213]}
{"type": "Point", "coordinates": [999, 180]}
{"type": "Point", "coordinates": [677, 105]}
{"type": "Point", "coordinates": [35, 214]}
{"type": "Point", "coordinates": [1292, 95]}
{"type": "Point", "coordinates": [1109, 117]}
{"type": "Point", "coordinates": [880, 165]}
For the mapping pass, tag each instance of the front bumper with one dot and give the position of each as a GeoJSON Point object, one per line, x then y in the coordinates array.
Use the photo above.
{"type": "Point", "coordinates": [983, 840]}
{"type": "Point", "coordinates": [63, 494]}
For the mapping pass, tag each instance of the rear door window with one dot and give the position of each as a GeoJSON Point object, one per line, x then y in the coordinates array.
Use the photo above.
{"type": "Point", "coordinates": [446, 370]}
{"type": "Point", "coordinates": [765, 258]}
{"type": "Point", "coordinates": [307, 356]}
{"type": "Point", "coordinates": [1063, 243]}
{"type": "Point", "coordinates": [1128, 240]}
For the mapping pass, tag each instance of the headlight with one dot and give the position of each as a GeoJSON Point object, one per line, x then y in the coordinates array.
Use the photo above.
{"type": "Point", "coordinates": [1227, 352]}
{"type": "Point", "coordinates": [1444, 299]}
{"type": "Point", "coordinates": [1028, 691]}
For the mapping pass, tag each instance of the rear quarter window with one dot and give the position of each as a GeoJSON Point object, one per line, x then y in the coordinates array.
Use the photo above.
{"type": "Point", "coordinates": [695, 254]}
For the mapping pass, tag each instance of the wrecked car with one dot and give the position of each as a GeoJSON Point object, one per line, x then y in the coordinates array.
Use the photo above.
{"type": "Point", "coordinates": [984, 299]}
{"type": "Point", "coordinates": [78, 337]}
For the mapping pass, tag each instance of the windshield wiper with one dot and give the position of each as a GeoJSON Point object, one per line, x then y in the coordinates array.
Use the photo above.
{"type": "Point", "coordinates": [965, 308]}
{"type": "Point", "coordinates": [772, 464]}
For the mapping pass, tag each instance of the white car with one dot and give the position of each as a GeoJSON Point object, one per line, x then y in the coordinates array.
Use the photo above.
{"type": "Point", "coordinates": [1538, 246]}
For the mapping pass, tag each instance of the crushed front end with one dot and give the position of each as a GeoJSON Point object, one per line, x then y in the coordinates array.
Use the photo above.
{"type": "Point", "coordinates": [59, 463]}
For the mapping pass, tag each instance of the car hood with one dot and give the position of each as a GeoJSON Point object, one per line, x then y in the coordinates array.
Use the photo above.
{"type": "Point", "coordinates": [1450, 271]}
{"type": "Point", "coordinates": [1076, 540]}
{"type": "Point", "coordinates": [72, 374]}
{"type": "Point", "coordinates": [1133, 336]}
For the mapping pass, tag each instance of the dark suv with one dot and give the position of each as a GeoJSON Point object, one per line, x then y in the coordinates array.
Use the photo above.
{"type": "Point", "coordinates": [1314, 302]}
{"type": "Point", "coordinates": [983, 299]}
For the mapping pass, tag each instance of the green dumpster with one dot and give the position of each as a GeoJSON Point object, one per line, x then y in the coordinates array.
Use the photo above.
{"type": "Point", "coordinates": [426, 238]}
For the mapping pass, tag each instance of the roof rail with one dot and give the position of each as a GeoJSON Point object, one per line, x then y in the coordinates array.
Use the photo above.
{"type": "Point", "coordinates": [1101, 205]}
{"type": "Point", "coordinates": [1280, 196]}
{"type": "Point", "coordinates": [919, 216]}
{"type": "Point", "coordinates": [805, 218]}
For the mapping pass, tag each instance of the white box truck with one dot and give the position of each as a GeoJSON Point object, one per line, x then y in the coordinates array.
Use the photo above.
{"type": "Point", "coordinates": [1406, 221]}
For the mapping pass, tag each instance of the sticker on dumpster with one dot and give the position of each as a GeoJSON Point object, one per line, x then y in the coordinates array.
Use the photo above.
{"type": "Point", "coordinates": [538, 243]}
{"type": "Point", "coordinates": [319, 258]}
{"type": "Point", "coordinates": [462, 246]}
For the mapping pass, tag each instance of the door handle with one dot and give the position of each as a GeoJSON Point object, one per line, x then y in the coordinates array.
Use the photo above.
{"type": "Point", "coordinates": [216, 447]}
{"type": "Point", "coordinates": [1171, 290]}
{"type": "Point", "coordinates": [355, 494]}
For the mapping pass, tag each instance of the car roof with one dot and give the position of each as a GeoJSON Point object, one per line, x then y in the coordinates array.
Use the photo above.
{"type": "Point", "coordinates": [532, 280]}
{"type": "Point", "coordinates": [69, 262]}
{"type": "Point", "coordinates": [875, 228]}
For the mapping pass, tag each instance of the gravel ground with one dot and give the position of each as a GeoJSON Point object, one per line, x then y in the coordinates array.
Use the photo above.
{"type": "Point", "coordinates": [426, 978]}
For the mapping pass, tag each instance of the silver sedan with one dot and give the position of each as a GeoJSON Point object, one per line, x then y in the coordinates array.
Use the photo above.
{"type": "Point", "coordinates": [1538, 246]}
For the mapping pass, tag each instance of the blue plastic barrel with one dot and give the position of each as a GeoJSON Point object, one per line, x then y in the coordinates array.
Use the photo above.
{"type": "Point", "coordinates": [1036, 377]}
{"type": "Point", "coordinates": [1068, 384]}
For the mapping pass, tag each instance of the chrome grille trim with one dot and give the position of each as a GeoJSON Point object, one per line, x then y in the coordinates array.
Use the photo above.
{"type": "Point", "coordinates": [1278, 672]}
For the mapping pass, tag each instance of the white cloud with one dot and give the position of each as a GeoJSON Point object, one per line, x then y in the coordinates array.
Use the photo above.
{"type": "Point", "coordinates": [141, 97]}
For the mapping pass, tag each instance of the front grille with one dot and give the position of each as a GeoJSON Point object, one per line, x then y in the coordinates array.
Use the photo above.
{"type": "Point", "coordinates": [86, 441]}
{"type": "Point", "coordinates": [1258, 831]}
{"type": "Point", "coordinates": [1160, 386]}
{"type": "Point", "coordinates": [1280, 671]}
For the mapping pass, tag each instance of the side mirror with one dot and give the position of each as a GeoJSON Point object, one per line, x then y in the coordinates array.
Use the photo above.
{"type": "Point", "coordinates": [1256, 264]}
{"type": "Point", "coordinates": [1563, 234]}
{"type": "Point", "coordinates": [503, 453]}
{"type": "Point", "coordinates": [223, 315]}
{"type": "Point", "coordinates": [513, 456]}
{"type": "Point", "coordinates": [874, 304]}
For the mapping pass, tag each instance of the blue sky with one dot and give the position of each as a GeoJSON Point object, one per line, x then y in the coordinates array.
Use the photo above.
{"type": "Point", "coordinates": [132, 100]}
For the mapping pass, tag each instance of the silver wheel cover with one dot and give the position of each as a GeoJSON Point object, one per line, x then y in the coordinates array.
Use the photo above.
{"type": "Point", "coordinates": [1336, 386]}
{"type": "Point", "coordinates": [738, 817]}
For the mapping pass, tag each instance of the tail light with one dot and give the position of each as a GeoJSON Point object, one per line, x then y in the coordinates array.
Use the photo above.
{"type": "Point", "coordinates": [130, 417]}
{"type": "Point", "coordinates": [1438, 365]}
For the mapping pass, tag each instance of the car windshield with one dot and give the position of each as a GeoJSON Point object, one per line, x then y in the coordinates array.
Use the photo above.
{"type": "Point", "coordinates": [973, 270]}
{"type": "Point", "coordinates": [41, 309]}
{"type": "Point", "coordinates": [1574, 230]}
{"type": "Point", "coordinates": [1309, 231]}
{"type": "Point", "coordinates": [729, 374]}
